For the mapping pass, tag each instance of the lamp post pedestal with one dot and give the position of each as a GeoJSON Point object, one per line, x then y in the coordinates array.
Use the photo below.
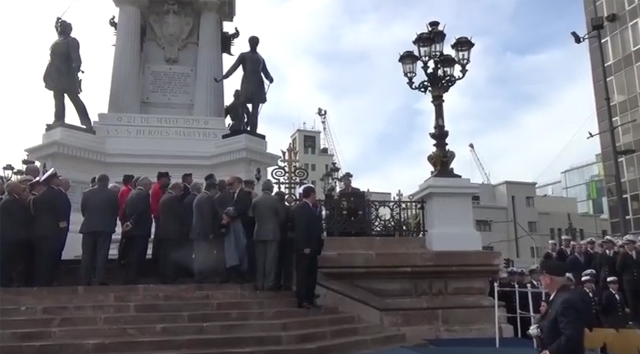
{"type": "Point", "coordinates": [449, 214]}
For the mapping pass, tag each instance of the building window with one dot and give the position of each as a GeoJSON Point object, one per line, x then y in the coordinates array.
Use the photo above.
{"type": "Point", "coordinates": [313, 183]}
{"type": "Point", "coordinates": [313, 167]}
{"type": "Point", "coordinates": [487, 248]}
{"type": "Point", "coordinates": [531, 202]}
{"type": "Point", "coordinates": [326, 167]}
{"type": "Point", "coordinates": [559, 233]}
{"type": "Point", "coordinates": [483, 225]}
{"type": "Point", "coordinates": [581, 233]}
{"type": "Point", "coordinates": [475, 200]}
{"type": "Point", "coordinates": [533, 226]}
{"type": "Point", "coordinates": [634, 28]}
{"type": "Point", "coordinates": [310, 145]}
{"type": "Point", "coordinates": [604, 233]}
{"type": "Point", "coordinates": [552, 233]}
{"type": "Point", "coordinates": [630, 3]}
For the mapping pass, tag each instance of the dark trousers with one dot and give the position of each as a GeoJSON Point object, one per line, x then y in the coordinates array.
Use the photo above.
{"type": "Point", "coordinates": [632, 295]}
{"type": "Point", "coordinates": [169, 254]}
{"type": "Point", "coordinates": [12, 259]}
{"type": "Point", "coordinates": [136, 253]}
{"type": "Point", "coordinates": [248, 226]}
{"type": "Point", "coordinates": [306, 277]}
{"type": "Point", "coordinates": [81, 109]}
{"type": "Point", "coordinates": [45, 259]}
{"type": "Point", "coordinates": [208, 262]}
{"type": "Point", "coordinates": [286, 260]}
{"type": "Point", "coordinates": [95, 254]}
{"type": "Point", "coordinates": [62, 243]}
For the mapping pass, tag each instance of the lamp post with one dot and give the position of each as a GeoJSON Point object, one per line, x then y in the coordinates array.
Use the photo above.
{"type": "Point", "coordinates": [597, 24]}
{"type": "Point", "coordinates": [330, 179]}
{"type": "Point", "coordinates": [441, 72]}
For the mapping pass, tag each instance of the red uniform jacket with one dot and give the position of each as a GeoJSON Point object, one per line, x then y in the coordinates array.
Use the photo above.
{"type": "Point", "coordinates": [156, 195]}
{"type": "Point", "coordinates": [122, 198]}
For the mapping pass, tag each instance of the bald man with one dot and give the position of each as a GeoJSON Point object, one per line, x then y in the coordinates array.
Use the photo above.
{"type": "Point", "coordinates": [14, 232]}
{"type": "Point", "coordinates": [32, 170]}
{"type": "Point", "coordinates": [170, 231]}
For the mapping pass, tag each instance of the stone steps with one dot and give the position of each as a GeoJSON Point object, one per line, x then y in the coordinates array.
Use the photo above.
{"type": "Point", "coordinates": [198, 319]}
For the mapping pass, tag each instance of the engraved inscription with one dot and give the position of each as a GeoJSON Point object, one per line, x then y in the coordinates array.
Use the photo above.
{"type": "Point", "coordinates": [163, 133]}
{"type": "Point", "coordinates": [163, 121]}
{"type": "Point", "coordinates": [169, 84]}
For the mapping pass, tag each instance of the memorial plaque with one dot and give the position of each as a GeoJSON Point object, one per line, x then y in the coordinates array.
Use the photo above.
{"type": "Point", "coordinates": [168, 84]}
{"type": "Point", "coordinates": [173, 122]}
{"type": "Point", "coordinates": [161, 133]}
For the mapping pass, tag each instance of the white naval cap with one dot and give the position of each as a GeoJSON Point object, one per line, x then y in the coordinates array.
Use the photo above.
{"type": "Point", "coordinates": [565, 238]}
{"type": "Point", "coordinates": [587, 279]}
{"type": "Point", "coordinates": [609, 239]}
{"type": "Point", "coordinates": [612, 280]}
{"type": "Point", "coordinates": [553, 242]}
{"type": "Point", "coordinates": [534, 268]}
{"type": "Point", "coordinates": [569, 276]}
{"type": "Point", "coordinates": [629, 239]}
{"type": "Point", "coordinates": [588, 272]}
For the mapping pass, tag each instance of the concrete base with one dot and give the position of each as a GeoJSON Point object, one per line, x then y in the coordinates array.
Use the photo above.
{"type": "Point", "coordinates": [449, 214]}
{"type": "Point", "coordinates": [397, 282]}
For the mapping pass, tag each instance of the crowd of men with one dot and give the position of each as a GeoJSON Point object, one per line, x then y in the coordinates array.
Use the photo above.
{"type": "Point", "coordinates": [603, 277]}
{"type": "Point", "coordinates": [215, 231]}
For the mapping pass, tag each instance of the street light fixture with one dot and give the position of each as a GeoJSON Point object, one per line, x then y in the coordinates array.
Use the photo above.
{"type": "Point", "coordinates": [597, 24]}
{"type": "Point", "coordinates": [441, 72]}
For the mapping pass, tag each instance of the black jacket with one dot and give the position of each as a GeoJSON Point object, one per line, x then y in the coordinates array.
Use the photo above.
{"type": "Point", "coordinates": [14, 219]}
{"type": "Point", "coordinates": [563, 325]}
{"type": "Point", "coordinates": [605, 266]}
{"type": "Point", "coordinates": [172, 220]}
{"type": "Point", "coordinates": [138, 213]}
{"type": "Point", "coordinates": [51, 215]}
{"type": "Point", "coordinates": [629, 268]}
{"type": "Point", "coordinates": [99, 208]}
{"type": "Point", "coordinates": [613, 310]}
{"type": "Point", "coordinates": [307, 224]}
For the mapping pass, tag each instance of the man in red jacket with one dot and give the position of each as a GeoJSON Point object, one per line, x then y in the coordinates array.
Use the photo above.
{"type": "Point", "coordinates": [163, 179]}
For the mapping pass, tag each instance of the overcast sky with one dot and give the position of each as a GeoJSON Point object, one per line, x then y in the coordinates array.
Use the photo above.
{"type": "Point", "coordinates": [527, 93]}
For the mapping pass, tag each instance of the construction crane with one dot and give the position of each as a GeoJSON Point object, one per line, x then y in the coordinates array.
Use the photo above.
{"type": "Point", "coordinates": [328, 136]}
{"type": "Point", "coordinates": [476, 159]}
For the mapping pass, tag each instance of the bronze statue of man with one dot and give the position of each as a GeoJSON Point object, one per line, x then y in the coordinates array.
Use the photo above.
{"type": "Point", "coordinates": [252, 90]}
{"type": "Point", "coordinates": [61, 75]}
{"type": "Point", "coordinates": [238, 112]}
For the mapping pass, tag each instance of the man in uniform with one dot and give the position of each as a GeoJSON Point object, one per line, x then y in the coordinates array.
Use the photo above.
{"type": "Point", "coordinates": [49, 227]}
{"type": "Point", "coordinates": [605, 263]}
{"type": "Point", "coordinates": [590, 300]}
{"type": "Point", "coordinates": [614, 308]}
{"type": "Point", "coordinates": [589, 246]}
{"type": "Point", "coordinates": [536, 289]}
{"type": "Point", "coordinates": [564, 252]}
{"type": "Point", "coordinates": [628, 267]}
{"type": "Point", "coordinates": [512, 298]}
{"type": "Point", "coordinates": [187, 180]}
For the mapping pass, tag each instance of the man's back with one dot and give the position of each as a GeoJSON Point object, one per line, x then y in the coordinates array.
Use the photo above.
{"type": "Point", "coordinates": [268, 214]}
{"type": "Point", "coordinates": [203, 214]}
{"type": "Point", "coordinates": [100, 208]}
{"type": "Point", "coordinates": [563, 325]}
{"type": "Point", "coordinates": [138, 212]}
{"type": "Point", "coordinates": [14, 216]}
{"type": "Point", "coordinates": [172, 221]}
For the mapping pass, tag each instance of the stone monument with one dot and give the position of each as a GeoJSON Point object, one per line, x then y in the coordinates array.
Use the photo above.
{"type": "Point", "coordinates": [166, 110]}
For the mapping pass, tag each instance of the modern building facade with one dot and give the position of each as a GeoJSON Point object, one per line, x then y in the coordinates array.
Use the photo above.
{"type": "Point", "coordinates": [313, 157]}
{"type": "Point", "coordinates": [621, 42]}
{"type": "Point", "coordinates": [513, 220]}
{"type": "Point", "coordinates": [585, 183]}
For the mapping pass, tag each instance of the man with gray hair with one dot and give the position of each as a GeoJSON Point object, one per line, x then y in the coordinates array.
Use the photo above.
{"type": "Point", "coordinates": [137, 229]}
{"type": "Point", "coordinates": [269, 214]}
{"type": "Point", "coordinates": [100, 208]}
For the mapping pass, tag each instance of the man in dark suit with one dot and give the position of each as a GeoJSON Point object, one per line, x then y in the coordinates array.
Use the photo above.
{"type": "Point", "coordinates": [100, 209]}
{"type": "Point", "coordinates": [206, 236]}
{"type": "Point", "coordinates": [562, 327]}
{"type": "Point", "coordinates": [348, 187]}
{"type": "Point", "coordinates": [307, 221]}
{"type": "Point", "coordinates": [187, 180]}
{"type": "Point", "coordinates": [628, 267]}
{"type": "Point", "coordinates": [50, 225]}
{"type": "Point", "coordinates": [591, 301]}
{"type": "Point", "coordinates": [286, 256]}
{"type": "Point", "coordinates": [577, 263]}
{"type": "Point", "coordinates": [171, 227]}
{"type": "Point", "coordinates": [187, 268]}
{"type": "Point", "coordinates": [269, 215]}
{"type": "Point", "coordinates": [552, 249]}
{"type": "Point", "coordinates": [605, 262]}
{"type": "Point", "coordinates": [242, 199]}
{"type": "Point", "coordinates": [614, 306]}
{"type": "Point", "coordinates": [14, 232]}
{"type": "Point", "coordinates": [137, 229]}
{"type": "Point", "coordinates": [589, 246]}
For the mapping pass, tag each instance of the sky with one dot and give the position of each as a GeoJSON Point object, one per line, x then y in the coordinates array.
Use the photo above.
{"type": "Point", "coordinates": [526, 103]}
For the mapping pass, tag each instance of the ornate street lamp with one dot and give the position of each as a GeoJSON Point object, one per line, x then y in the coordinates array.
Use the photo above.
{"type": "Point", "coordinates": [7, 171]}
{"type": "Point", "coordinates": [441, 72]}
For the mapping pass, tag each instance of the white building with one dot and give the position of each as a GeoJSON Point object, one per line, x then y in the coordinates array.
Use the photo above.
{"type": "Point", "coordinates": [314, 158]}
{"type": "Point", "coordinates": [516, 222]}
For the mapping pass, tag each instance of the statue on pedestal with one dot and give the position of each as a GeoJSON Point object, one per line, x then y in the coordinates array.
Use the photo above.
{"type": "Point", "coordinates": [252, 90]}
{"type": "Point", "coordinates": [61, 75]}
{"type": "Point", "coordinates": [238, 112]}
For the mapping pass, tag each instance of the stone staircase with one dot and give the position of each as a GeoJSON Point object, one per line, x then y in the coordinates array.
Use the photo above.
{"type": "Point", "coordinates": [189, 319]}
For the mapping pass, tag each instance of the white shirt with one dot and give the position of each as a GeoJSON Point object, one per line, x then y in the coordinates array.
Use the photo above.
{"type": "Point", "coordinates": [616, 294]}
{"type": "Point", "coordinates": [552, 295]}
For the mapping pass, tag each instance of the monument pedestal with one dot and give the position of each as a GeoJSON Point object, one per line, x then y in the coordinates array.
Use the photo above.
{"type": "Point", "coordinates": [449, 214]}
{"type": "Point", "coordinates": [399, 283]}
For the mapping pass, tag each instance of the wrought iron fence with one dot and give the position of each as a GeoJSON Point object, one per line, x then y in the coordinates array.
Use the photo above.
{"type": "Point", "coordinates": [381, 218]}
